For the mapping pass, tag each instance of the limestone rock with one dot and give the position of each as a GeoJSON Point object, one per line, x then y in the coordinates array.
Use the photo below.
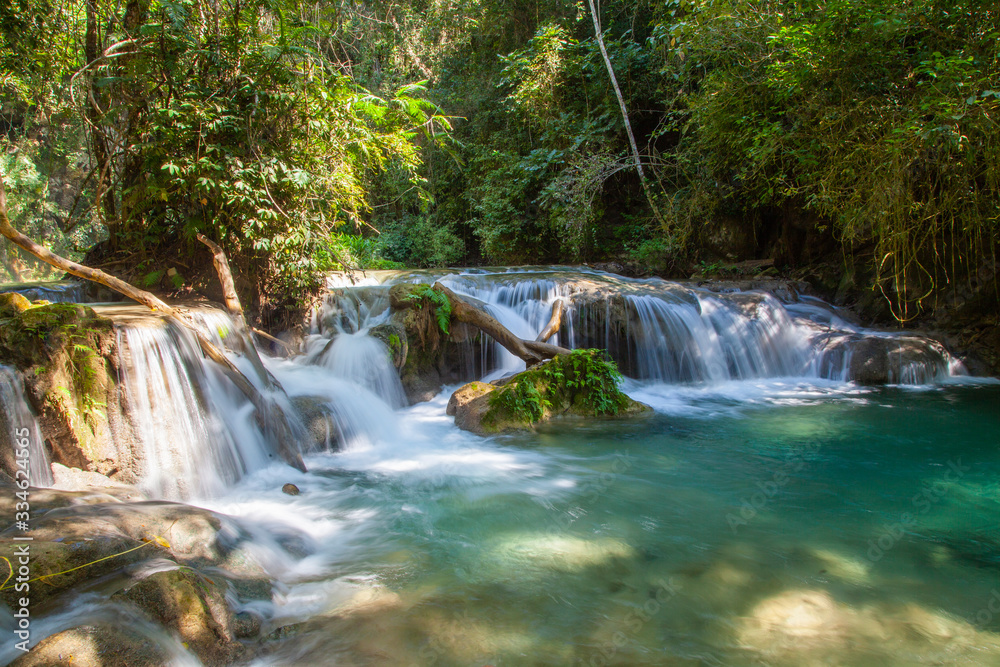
{"type": "Point", "coordinates": [193, 606]}
{"type": "Point", "coordinates": [13, 304]}
{"type": "Point", "coordinates": [101, 645]}
{"type": "Point", "coordinates": [467, 393]}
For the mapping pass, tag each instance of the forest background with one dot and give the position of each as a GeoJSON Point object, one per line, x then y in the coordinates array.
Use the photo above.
{"type": "Point", "coordinates": [851, 144]}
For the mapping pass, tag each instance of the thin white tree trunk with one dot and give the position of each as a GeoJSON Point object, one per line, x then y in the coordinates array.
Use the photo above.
{"type": "Point", "coordinates": [621, 103]}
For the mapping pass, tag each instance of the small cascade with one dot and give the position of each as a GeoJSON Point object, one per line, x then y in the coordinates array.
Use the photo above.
{"type": "Point", "coordinates": [57, 291]}
{"type": "Point", "coordinates": [19, 423]}
{"type": "Point", "coordinates": [197, 430]}
{"type": "Point", "coordinates": [362, 360]}
{"type": "Point", "coordinates": [671, 332]}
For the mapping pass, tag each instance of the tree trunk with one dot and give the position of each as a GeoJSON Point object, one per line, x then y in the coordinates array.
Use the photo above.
{"type": "Point", "coordinates": [621, 104]}
{"type": "Point", "coordinates": [94, 112]}
{"type": "Point", "coordinates": [232, 301]}
{"type": "Point", "coordinates": [555, 322]}
{"type": "Point", "coordinates": [266, 406]}
{"type": "Point", "coordinates": [531, 352]}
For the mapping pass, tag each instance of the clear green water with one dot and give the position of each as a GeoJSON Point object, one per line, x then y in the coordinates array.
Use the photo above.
{"type": "Point", "coordinates": [760, 525]}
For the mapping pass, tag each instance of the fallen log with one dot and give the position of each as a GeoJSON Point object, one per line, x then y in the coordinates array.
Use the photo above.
{"type": "Point", "coordinates": [531, 352]}
{"type": "Point", "coordinates": [555, 322]}
{"type": "Point", "coordinates": [265, 405]}
{"type": "Point", "coordinates": [232, 301]}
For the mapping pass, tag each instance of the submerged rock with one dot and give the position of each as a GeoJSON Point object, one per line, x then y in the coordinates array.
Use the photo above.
{"type": "Point", "coordinates": [175, 563]}
{"type": "Point", "coordinates": [874, 360]}
{"type": "Point", "coordinates": [290, 489]}
{"type": "Point", "coordinates": [581, 383]}
{"type": "Point", "coordinates": [320, 421]}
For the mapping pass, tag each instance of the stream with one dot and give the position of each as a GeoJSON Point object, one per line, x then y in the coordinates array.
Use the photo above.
{"type": "Point", "coordinates": [769, 511]}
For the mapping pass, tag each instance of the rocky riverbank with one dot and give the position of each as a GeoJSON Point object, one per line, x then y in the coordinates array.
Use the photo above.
{"type": "Point", "coordinates": [184, 578]}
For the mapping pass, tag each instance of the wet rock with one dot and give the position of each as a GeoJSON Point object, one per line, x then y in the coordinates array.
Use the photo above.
{"type": "Point", "coordinates": [879, 360]}
{"type": "Point", "coordinates": [466, 394]}
{"type": "Point", "coordinates": [67, 355]}
{"type": "Point", "coordinates": [193, 606]}
{"type": "Point", "coordinates": [95, 646]}
{"type": "Point", "coordinates": [393, 336]}
{"type": "Point", "coordinates": [870, 362]}
{"type": "Point", "coordinates": [74, 479]}
{"type": "Point", "coordinates": [290, 489]}
{"type": "Point", "coordinates": [75, 560]}
{"type": "Point", "coordinates": [246, 625]}
{"type": "Point", "coordinates": [321, 424]}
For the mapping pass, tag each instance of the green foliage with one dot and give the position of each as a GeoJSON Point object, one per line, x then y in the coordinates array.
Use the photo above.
{"type": "Point", "coordinates": [237, 122]}
{"type": "Point", "coordinates": [521, 401]}
{"type": "Point", "coordinates": [425, 294]}
{"type": "Point", "coordinates": [876, 118]}
{"type": "Point", "coordinates": [584, 380]}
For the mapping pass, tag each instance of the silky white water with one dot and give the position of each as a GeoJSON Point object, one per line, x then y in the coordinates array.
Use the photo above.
{"type": "Point", "coordinates": [20, 425]}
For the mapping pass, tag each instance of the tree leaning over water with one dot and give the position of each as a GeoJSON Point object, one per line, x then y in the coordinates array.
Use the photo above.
{"type": "Point", "coordinates": [205, 117]}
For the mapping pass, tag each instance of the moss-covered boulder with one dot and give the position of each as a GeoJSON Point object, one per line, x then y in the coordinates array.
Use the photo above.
{"type": "Point", "coordinates": [66, 354]}
{"type": "Point", "coordinates": [432, 349]}
{"type": "Point", "coordinates": [583, 383]}
{"type": "Point", "coordinates": [13, 304]}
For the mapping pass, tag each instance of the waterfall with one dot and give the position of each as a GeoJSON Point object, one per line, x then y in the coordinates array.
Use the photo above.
{"type": "Point", "coordinates": [197, 431]}
{"type": "Point", "coordinates": [361, 360]}
{"type": "Point", "coordinates": [670, 332]}
{"type": "Point", "coordinates": [19, 422]}
{"type": "Point", "coordinates": [198, 434]}
{"type": "Point", "coordinates": [58, 291]}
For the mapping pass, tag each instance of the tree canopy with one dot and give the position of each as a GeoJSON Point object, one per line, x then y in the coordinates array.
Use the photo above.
{"type": "Point", "coordinates": [303, 137]}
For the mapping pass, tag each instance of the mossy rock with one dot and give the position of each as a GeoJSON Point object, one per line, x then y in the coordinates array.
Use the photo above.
{"type": "Point", "coordinates": [13, 304]}
{"type": "Point", "coordinates": [582, 383]}
{"type": "Point", "coordinates": [66, 355]}
{"type": "Point", "coordinates": [393, 336]}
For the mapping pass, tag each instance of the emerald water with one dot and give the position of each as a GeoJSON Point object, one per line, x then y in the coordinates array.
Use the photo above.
{"type": "Point", "coordinates": [771, 522]}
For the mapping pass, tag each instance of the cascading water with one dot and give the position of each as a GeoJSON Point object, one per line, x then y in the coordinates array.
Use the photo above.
{"type": "Point", "coordinates": [669, 332]}
{"type": "Point", "coordinates": [360, 359]}
{"type": "Point", "coordinates": [19, 424]}
{"type": "Point", "coordinates": [197, 431]}
{"type": "Point", "coordinates": [61, 291]}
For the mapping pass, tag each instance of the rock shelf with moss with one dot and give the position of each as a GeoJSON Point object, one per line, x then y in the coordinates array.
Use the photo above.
{"type": "Point", "coordinates": [583, 383]}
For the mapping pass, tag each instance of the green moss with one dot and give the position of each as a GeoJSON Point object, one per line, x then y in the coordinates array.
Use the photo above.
{"type": "Point", "coordinates": [13, 304]}
{"type": "Point", "coordinates": [583, 382]}
{"type": "Point", "coordinates": [60, 341]}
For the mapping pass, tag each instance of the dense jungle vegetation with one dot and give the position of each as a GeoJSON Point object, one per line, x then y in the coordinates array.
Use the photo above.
{"type": "Point", "coordinates": [309, 136]}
